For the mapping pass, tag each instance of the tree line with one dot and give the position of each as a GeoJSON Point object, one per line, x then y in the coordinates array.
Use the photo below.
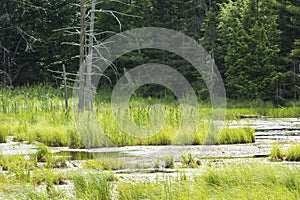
{"type": "Point", "coordinates": [255, 43]}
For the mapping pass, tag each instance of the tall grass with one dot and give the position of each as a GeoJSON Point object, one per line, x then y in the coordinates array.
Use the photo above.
{"type": "Point", "coordinates": [22, 176]}
{"type": "Point", "coordinates": [293, 153]}
{"type": "Point", "coordinates": [2, 136]}
{"type": "Point", "coordinates": [231, 181]}
{"type": "Point", "coordinates": [277, 153]}
{"type": "Point", "coordinates": [38, 114]}
{"type": "Point", "coordinates": [247, 181]}
{"type": "Point", "coordinates": [93, 186]}
{"type": "Point", "coordinates": [189, 161]}
{"type": "Point", "coordinates": [290, 154]}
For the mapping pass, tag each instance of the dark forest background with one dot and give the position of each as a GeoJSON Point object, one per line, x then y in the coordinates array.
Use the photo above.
{"type": "Point", "coordinates": [255, 43]}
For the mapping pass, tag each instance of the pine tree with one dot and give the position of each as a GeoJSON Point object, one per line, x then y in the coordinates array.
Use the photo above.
{"type": "Point", "coordinates": [249, 36]}
{"type": "Point", "coordinates": [289, 24]}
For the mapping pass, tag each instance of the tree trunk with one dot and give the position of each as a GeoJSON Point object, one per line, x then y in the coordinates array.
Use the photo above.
{"type": "Point", "coordinates": [65, 87]}
{"type": "Point", "coordinates": [89, 87]}
{"type": "Point", "coordinates": [81, 59]}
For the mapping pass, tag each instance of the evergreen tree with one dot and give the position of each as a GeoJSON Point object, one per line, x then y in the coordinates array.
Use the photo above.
{"type": "Point", "coordinates": [289, 24]}
{"type": "Point", "coordinates": [249, 36]}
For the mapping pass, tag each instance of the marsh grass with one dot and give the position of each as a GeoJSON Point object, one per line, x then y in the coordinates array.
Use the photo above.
{"type": "Point", "coordinates": [169, 162]}
{"type": "Point", "coordinates": [22, 191]}
{"type": "Point", "coordinates": [231, 181]}
{"type": "Point", "coordinates": [3, 135]}
{"type": "Point", "coordinates": [13, 188]}
{"type": "Point", "coordinates": [236, 135]}
{"type": "Point", "coordinates": [235, 181]}
{"type": "Point", "coordinates": [17, 165]}
{"type": "Point", "coordinates": [43, 153]}
{"type": "Point", "coordinates": [105, 164]}
{"type": "Point", "coordinates": [47, 176]}
{"type": "Point", "coordinates": [293, 153]}
{"type": "Point", "coordinates": [23, 176]}
{"type": "Point", "coordinates": [38, 114]}
{"type": "Point", "coordinates": [290, 154]}
{"type": "Point", "coordinates": [93, 186]}
{"type": "Point", "coordinates": [273, 112]}
{"type": "Point", "coordinates": [190, 161]}
{"type": "Point", "coordinates": [277, 153]}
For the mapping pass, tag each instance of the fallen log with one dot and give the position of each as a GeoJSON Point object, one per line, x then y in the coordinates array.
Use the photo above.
{"type": "Point", "coordinates": [251, 116]}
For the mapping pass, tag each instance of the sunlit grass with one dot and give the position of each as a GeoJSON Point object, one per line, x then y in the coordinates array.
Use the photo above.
{"type": "Point", "coordinates": [277, 153]}
{"type": "Point", "coordinates": [239, 181]}
{"type": "Point", "coordinates": [21, 175]}
{"type": "Point", "coordinates": [105, 164]}
{"type": "Point", "coordinates": [93, 186]}
{"type": "Point", "coordinates": [230, 181]}
{"type": "Point", "coordinates": [292, 153]}
{"type": "Point", "coordinates": [38, 114]}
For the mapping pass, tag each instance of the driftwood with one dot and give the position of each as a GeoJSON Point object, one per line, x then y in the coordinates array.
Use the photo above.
{"type": "Point", "coordinates": [251, 116]}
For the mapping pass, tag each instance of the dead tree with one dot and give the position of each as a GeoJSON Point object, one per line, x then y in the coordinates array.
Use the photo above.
{"type": "Point", "coordinates": [81, 57]}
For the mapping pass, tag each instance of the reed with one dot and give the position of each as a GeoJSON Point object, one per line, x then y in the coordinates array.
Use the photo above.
{"type": "Point", "coordinates": [38, 114]}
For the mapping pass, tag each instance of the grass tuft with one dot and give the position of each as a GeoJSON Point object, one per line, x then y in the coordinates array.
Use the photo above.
{"type": "Point", "coordinates": [190, 161]}
{"type": "Point", "coordinates": [93, 186]}
{"type": "Point", "coordinates": [290, 154]}
{"type": "Point", "coordinates": [43, 153]}
{"type": "Point", "coordinates": [293, 153]}
{"type": "Point", "coordinates": [2, 136]}
{"type": "Point", "coordinates": [169, 162]}
{"type": "Point", "coordinates": [277, 153]}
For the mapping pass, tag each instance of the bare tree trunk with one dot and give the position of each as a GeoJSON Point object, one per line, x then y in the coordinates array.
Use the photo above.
{"type": "Point", "coordinates": [65, 87]}
{"type": "Point", "coordinates": [81, 59]}
{"type": "Point", "coordinates": [88, 96]}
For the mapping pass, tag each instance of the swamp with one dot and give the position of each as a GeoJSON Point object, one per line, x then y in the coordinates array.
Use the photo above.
{"type": "Point", "coordinates": [43, 156]}
{"type": "Point", "coordinates": [149, 99]}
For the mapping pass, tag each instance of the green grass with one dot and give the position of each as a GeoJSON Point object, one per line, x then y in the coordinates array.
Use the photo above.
{"type": "Point", "coordinates": [3, 135]}
{"type": "Point", "coordinates": [104, 164]}
{"type": "Point", "coordinates": [190, 161]}
{"type": "Point", "coordinates": [38, 114]}
{"type": "Point", "coordinates": [43, 154]}
{"type": "Point", "coordinates": [93, 186]}
{"type": "Point", "coordinates": [247, 181]}
{"type": "Point", "coordinates": [290, 154]}
{"type": "Point", "coordinates": [22, 175]}
{"type": "Point", "coordinates": [169, 162]}
{"type": "Point", "coordinates": [277, 153]}
{"type": "Point", "coordinates": [293, 153]}
{"type": "Point", "coordinates": [230, 181]}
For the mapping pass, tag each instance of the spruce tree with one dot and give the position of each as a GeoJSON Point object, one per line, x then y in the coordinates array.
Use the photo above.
{"type": "Point", "coordinates": [248, 32]}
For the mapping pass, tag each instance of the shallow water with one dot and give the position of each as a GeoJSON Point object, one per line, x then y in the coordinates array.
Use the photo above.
{"type": "Point", "coordinates": [267, 130]}
{"type": "Point", "coordinates": [283, 130]}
